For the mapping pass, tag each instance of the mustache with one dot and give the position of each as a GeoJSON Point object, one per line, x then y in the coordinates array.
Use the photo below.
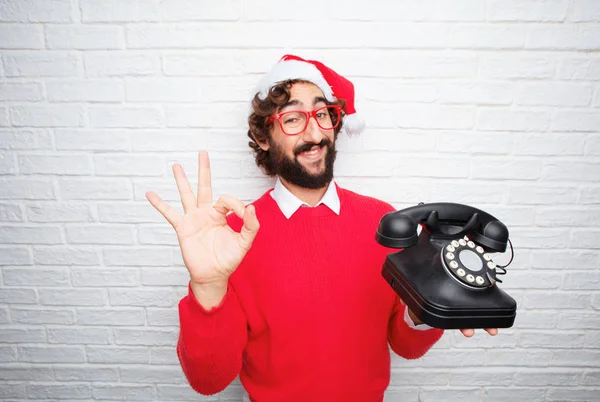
{"type": "Point", "coordinates": [306, 147]}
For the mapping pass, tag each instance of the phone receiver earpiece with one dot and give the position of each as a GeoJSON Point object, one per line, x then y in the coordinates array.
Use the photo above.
{"type": "Point", "coordinates": [397, 231]}
{"type": "Point", "coordinates": [494, 235]}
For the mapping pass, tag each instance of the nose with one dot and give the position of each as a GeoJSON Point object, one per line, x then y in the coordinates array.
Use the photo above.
{"type": "Point", "coordinates": [313, 133]}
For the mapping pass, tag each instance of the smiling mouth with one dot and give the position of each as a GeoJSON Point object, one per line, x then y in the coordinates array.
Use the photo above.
{"type": "Point", "coordinates": [314, 153]}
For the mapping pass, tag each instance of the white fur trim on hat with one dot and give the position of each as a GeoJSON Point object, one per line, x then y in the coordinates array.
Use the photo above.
{"type": "Point", "coordinates": [294, 70]}
{"type": "Point", "coordinates": [352, 124]}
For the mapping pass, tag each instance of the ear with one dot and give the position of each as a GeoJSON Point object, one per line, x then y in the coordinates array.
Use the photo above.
{"type": "Point", "coordinates": [264, 145]}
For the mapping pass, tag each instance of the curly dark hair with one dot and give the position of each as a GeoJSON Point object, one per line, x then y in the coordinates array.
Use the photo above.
{"type": "Point", "coordinates": [260, 132]}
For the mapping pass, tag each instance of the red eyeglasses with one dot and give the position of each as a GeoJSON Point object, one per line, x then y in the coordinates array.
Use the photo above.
{"type": "Point", "coordinates": [295, 121]}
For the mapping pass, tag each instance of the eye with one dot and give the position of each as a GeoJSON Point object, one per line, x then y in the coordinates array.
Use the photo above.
{"type": "Point", "coordinates": [290, 120]}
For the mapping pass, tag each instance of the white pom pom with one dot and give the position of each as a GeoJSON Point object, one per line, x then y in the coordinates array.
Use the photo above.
{"type": "Point", "coordinates": [353, 124]}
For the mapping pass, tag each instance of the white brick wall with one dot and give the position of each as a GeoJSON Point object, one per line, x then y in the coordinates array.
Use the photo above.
{"type": "Point", "coordinates": [494, 103]}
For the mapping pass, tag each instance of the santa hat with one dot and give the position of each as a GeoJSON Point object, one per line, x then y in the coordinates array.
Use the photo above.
{"type": "Point", "coordinates": [333, 85]}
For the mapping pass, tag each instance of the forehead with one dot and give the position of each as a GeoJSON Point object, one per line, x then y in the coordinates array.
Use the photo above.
{"type": "Point", "coordinates": [305, 92]}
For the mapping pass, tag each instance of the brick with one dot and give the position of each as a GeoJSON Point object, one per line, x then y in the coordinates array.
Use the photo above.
{"type": "Point", "coordinates": [30, 235]}
{"type": "Point", "coordinates": [525, 280]}
{"type": "Point", "coordinates": [72, 297]}
{"type": "Point", "coordinates": [63, 212]}
{"type": "Point", "coordinates": [11, 213]}
{"type": "Point", "coordinates": [84, 37]}
{"type": "Point", "coordinates": [401, 377]}
{"type": "Point", "coordinates": [7, 163]}
{"type": "Point", "coordinates": [118, 355]}
{"type": "Point", "coordinates": [555, 217]}
{"type": "Point", "coordinates": [60, 391]}
{"type": "Point", "coordinates": [4, 317]}
{"type": "Point", "coordinates": [430, 10]}
{"type": "Point", "coordinates": [163, 316]}
{"type": "Point", "coordinates": [455, 191]}
{"type": "Point", "coordinates": [111, 317]}
{"type": "Point", "coordinates": [213, 115]}
{"type": "Point", "coordinates": [504, 168]}
{"type": "Point", "coordinates": [51, 354]}
{"type": "Point", "coordinates": [163, 356]}
{"type": "Point", "coordinates": [157, 235]}
{"type": "Point", "coordinates": [556, 300]}
{"type": "Point", "coordinates": [584, 11]}
{"type": "Point", "coordinates": [579, 69]}
{"type": "Point", "coordinates": [25, 373]}
{"type": "Point", "coordinates": [146, 337]}
{"type": "Point", "coordinates": [120, 165]}
{"type": "Point", "coordinates": [20, 91]}
{"type": "Point", "coordinates": [42, 316]}
{"type": "Point", "coordinates": [152, 375]}
{"type": "Point", "coordinates": [92, 374]}
{"type": "Point", "coordinates": [96, 189]}
{"type": "Point", "coordinates": [565, 170]}
{"type": "Point", "coordinates": [476, 93]}
{"type": "Point", "coordinates": [36, 276]}
{"type": "Point", "coordinates": [480, 143]}
{"type": "Point", "coordinates": [143, 298]}
{"type": "Point", "coordinates": [576, 121]}
{"type": "Point", "coordinates": [102, 90]}
{"type": "Point", "coordinates": [550, 144]}
{"type": "Point", "coordinates": [530, 11]}
{"type": "Point", "coordinates": [92, 140]}
{"type": "Point", "coordinates": [22, 334]}
{"type": "Point", "coordinates": [422, 116]}
{"type": "Point", "coordinates": [511, 120]}
{"type": "Point", "coordinates": [513, 394]}
{"type": "Point", "coordinates": [572, 394]}
{"type": "Point", "coordinates": [591, 378]}
{"type": "Point", "coordinates": [554, 94]}
{"type": "Point", "coordinates": [576, 358]}
{"type": "Point", "coordinates": [188, 10]}
{"type": "Point", "coordinates": [596, 100]}
{"type": "Point", "coordinates": [47, 116]}
{"type": "Point", "coordinates": [464, 394]}
{"type": "Point", "coordinates": [156, 140]}
{"type": "Point", "coordinates": [478, 377]}
{"type": "Point", "coordinates": [516, 66]}
{"type": "Point", "coordinates": [104, 277]}
{"type": "Point", "coordinates": [15, 256]}
{"type": "Point", "coordinates": [540, 238]}
{"type": "Point", "coordinates": [446, 167]}
{"type": "Point", "coordinates": [482, 339]}
{"type": "Point", "coordinates": [100, 234]}
{"type": "Point", "coordinates": [180, 90]}
{"type": "Point", "coordinates": [121, 63]}
{"type": "Point", "coordinates": [550, 340]}
{"type": "Point", "coordinates": [13, 391]}
{"type": "Point", "coordinates": [127, 392]}
{"type": "Point", "coordinates": [40, 64]}
{"type": "Point", "coordinates": [65, 164]}
{"type": "Point", "coordinates": [582, 281]}
{"type": "Point", "coordinates": [490, 36]}
{"type": "Point", "coordinates": [585, 238]}
{"type": "Point", "coordinates": [65, 256]}
{"type": "Point", "coordinates": [592, 145]}
{"type": "Point", "coordinates": [575, 320]}
{"type": "Point", "coordinates": [117, 11]}
{"type": "Point", "coordinates": [128, 213]}
{"type": "Point", "coordinates": [564, 37]}
{"type": "Point", "coordinates": [592, 339]}
{"type": "Point", "coordinates": [394, 90]}
{"type": "Point", "coordinates": [4, 117]}
{"type": "Point", "coordinates": [29, 139]}
{"type": "Point", "coordinates": [165, 277]}
{"type": "Point", "coordinates": [589, 194]}
{"type": "Point", "coordinates": [87, 336]}
{"type": "Point", "coordinates": [564, 259]}
{"type": "Point", "coordinates": [36, 11]}
{"type": "Point", "coordinates": [125, 117]}
{"type": "Point", "coordinates": [518, 357]}
{"type": "Point", "coordinates": [206, 62]}
{"type": "Point", "coordinates": [536, 195]}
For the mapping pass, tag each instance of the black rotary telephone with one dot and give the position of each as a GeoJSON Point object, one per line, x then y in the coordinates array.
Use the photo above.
{"type": "Point", "coordinates": [446, 275]}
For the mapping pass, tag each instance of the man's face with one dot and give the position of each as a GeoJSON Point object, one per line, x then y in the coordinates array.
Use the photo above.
{"type": "Point", "coordinates": [305, 159]}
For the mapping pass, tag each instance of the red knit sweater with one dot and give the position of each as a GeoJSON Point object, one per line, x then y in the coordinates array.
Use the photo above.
{"type": "Point", "coordinates": [307, 315]}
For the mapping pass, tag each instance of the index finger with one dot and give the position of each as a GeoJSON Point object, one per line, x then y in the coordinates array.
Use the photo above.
{"type": "Point", "coordinates": [204, 185]}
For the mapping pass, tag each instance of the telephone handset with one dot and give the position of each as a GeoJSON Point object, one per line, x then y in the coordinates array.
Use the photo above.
{"type": "Point", "coordinates": [445, 274]}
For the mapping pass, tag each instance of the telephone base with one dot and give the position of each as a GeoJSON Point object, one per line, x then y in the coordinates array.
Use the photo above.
{"type": "Point", "coordinates": [417, 276]}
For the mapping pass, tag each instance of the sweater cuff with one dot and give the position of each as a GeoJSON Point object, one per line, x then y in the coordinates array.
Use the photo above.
{"type": "Point", "coordinates": [411, 323]}
{"type": "Point", "coordinates": [196, 306]}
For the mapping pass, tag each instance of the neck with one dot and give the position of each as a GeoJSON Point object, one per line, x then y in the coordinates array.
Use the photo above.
{"type": "Point", "coordinates": [311, 196]}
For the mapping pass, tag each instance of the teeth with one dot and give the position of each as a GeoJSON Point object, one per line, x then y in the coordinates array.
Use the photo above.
{"type": "Point", "coordinates": [312, 152]}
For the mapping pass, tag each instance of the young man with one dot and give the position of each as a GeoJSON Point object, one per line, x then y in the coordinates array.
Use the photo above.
{"type": "Point", "coordinates": [298, 309]}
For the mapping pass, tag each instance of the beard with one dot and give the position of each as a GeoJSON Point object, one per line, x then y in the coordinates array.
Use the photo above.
{"type": "Point", "coordinates": [293, 172]}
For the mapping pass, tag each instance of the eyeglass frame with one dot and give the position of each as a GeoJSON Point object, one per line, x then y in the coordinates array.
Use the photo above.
{"type": "Point", "coordinates": [312, 113]}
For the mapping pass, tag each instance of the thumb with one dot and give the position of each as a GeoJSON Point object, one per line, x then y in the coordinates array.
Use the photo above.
{"type": "Point", "coordinates": [250, 228]}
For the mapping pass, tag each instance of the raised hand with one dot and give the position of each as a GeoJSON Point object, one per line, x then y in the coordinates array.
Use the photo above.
{"type": "Point", "coordinates": [211, 250]}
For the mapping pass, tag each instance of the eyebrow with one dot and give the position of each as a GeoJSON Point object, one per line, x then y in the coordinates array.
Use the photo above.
{"type": "Point", "coordinates": [295, 102]}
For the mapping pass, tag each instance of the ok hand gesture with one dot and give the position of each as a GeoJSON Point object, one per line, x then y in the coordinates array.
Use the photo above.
{"type": "Point", "coordinates": [211, 249]}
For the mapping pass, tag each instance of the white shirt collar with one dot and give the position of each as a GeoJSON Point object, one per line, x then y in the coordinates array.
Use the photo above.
{"type": "Point", "coordinates": [288, 203]}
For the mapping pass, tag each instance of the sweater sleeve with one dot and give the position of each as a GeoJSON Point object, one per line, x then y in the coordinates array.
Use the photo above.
{"type": "Point", "coordinates": [211, 342]}
{"type": "Point", "coordinates": [408, 342]}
